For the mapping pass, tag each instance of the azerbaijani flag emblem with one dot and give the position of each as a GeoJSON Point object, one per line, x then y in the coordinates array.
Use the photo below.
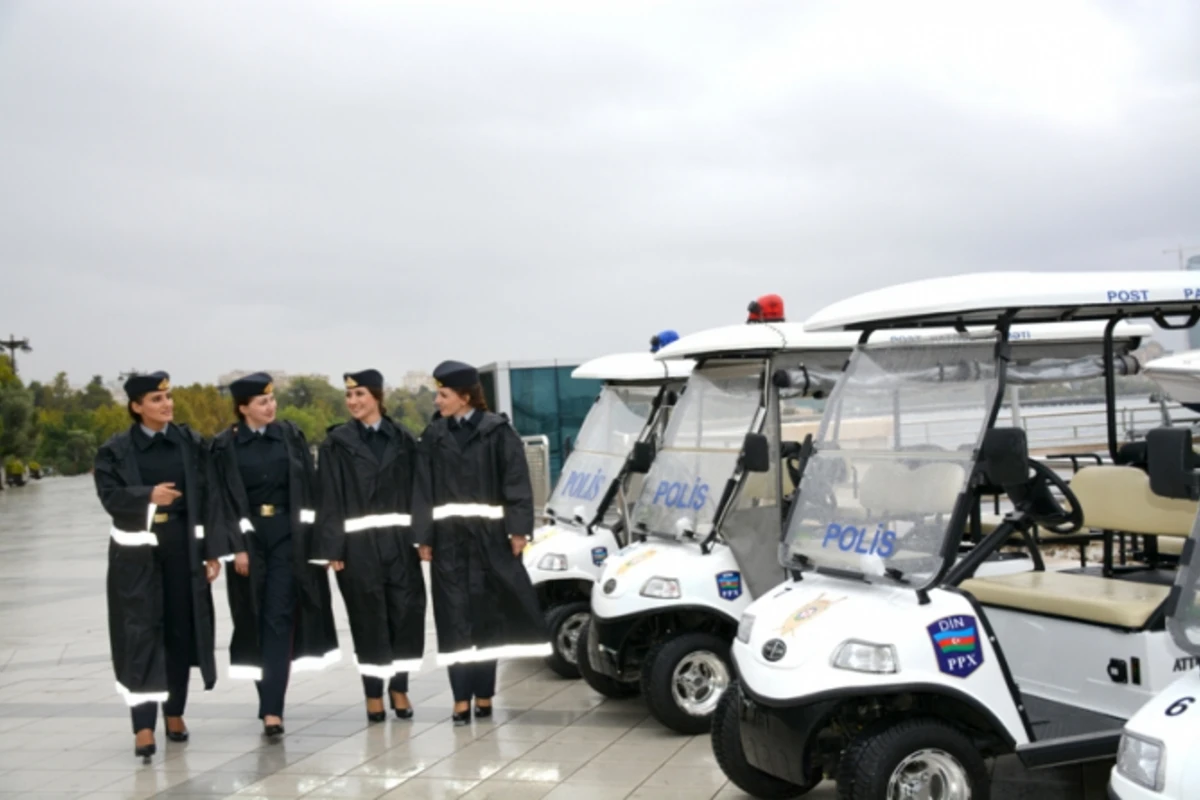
{"type": "Point", "coordinates": [956, 641]}
{"type": "Point", "coordinates": [956, 645]}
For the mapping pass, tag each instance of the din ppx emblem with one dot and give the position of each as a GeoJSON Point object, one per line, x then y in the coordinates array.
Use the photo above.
{"type": "Point", "coordinates": [774, 650]}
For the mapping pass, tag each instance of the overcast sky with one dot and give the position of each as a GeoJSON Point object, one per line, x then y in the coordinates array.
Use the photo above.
{"type": "Point", "coordinates": [323, 186]}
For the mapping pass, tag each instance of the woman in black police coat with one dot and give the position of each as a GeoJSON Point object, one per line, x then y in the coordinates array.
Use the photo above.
{"type": "Point", "coordinates": [476, 516]}
{"type": "Point", "coordinates": [152, 480]}
{"type": "Point", "coordinates": [263, 491]}
{"type": "Point", "coordinates": [366, 470]}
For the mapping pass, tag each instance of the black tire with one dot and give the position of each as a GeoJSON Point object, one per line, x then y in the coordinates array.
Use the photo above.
{"type": "Point", "coordinates": [609, 687]}
{"type": "Point", "coordinates": [727, 749]}
{"type": "Point", "coordinates": [658, 680]}
{"type": "Point", "coordinates": [867, 765]}
{"type": "Point", "coordinates": [562, 659]}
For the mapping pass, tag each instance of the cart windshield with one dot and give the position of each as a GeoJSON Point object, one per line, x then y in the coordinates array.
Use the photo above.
{"type": "Point", "coordinates": [609, 431]}
{"type": "Point", "coordinates": [700, 450]}
{"type": "Point", "coordinates": [893, 458]}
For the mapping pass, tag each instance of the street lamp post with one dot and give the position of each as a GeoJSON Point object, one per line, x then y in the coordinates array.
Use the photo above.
{"type": "Point", "coordinates": [15, 345]}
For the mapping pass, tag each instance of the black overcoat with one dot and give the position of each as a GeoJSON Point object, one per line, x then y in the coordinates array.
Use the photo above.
{"type": "Point", "coordinates": [135, 575]}
{"type": "Point", "coordinates": [314, 634]}
{"type": "Point", "coordinates": [471, 500]}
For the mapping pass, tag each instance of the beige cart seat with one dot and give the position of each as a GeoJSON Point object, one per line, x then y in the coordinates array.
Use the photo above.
{"type": "Point", "coordinates": [1107, 601]}
{"type": "Point", "coordinates": [1113, 498]}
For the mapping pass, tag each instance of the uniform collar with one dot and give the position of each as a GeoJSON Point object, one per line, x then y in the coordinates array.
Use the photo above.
{"type": "Point", "coordinates": [468, 420]}
{"type": "Point", "coordinates": [380, 426]}
{"type": "Point", "coordinates": [246, 433]}
{"type": "Point", "coordinates": [146, 437]}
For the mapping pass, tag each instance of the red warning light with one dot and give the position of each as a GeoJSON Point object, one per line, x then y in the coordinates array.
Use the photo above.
{"type": "Point", "coordinates": [768, 308]}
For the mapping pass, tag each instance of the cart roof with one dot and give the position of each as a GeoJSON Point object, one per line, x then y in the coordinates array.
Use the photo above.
{"type": "Point", "coordinates": [792, 336]}
{"type": "Point", "coordinates": [632, 368]}
{"type": "Point", "coordinates": [981, 298]}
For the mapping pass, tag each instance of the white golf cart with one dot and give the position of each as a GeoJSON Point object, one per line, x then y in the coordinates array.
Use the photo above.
{"type": "Point", "coordinates": [1159, 753]}
{"type": "Point", "coordinates": [585, 509]}
{"type": "Point", "coordinates": [886, 663]}
{"type": "Point", "coordinates": [706, 526]}
{"type": "Point", "coordinates": [666, 607]}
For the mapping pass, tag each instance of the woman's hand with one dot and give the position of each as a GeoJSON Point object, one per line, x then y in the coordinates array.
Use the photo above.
{"type": "Point", "coordinates": [212, 569]}
{"type": "Point", "coordinates": [337, 566]}
{"type": "Point", "coordinates": [425, 551]}
{"type": "Point", "coordinates": [164, 494]}
{"type": "Point", "coordinates": [241, 564]}
{"type": "Point", "coordinates": [518, 544]}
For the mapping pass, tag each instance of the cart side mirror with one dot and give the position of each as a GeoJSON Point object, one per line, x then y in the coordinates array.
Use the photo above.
{"type": "Point", "coordinates": [756, 453]}
{"type": "Point", "coordinates": [1171, 463]}
{"type": "Point", "coordinates": [642, 457]}
{"type": "Point", "coordinates": [1004, 457]}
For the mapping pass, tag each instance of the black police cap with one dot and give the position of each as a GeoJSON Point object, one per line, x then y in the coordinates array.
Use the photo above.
{"type": "Point", "coordinates": [252, 385]}
{"type": "Point", "coordinates": [140, 385]}
{"type": "Point", "coordinates": [455, 375]}
{"type": "Point", "coordinates": [368, 378]}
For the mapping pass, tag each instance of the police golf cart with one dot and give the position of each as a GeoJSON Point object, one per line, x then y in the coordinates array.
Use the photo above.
{"type": "Point", "coordinates": [885, 661]}
{"type": "Point", "coordinates": [706, 524]}
{"type": "Point", "coordinates": [1159, 753]}
{"type": "Point", "coordinates": [666, 607]}
{"type": "Point", "coordinates": [586, 507]}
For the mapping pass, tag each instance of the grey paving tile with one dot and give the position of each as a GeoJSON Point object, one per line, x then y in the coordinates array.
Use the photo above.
{"type": "Point", "coordinates": [430, 789]}
{"type": "Point", "coordinates": [509, 790]}
{"type": "Point", "coordinates": [357, 787]}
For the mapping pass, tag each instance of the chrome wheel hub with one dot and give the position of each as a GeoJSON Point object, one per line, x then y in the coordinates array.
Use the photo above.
{"type": "Point", "coordinates": [567, 638]}
{"type": "Point", "coordinates": [699, 681]}
{"type": "Point", "coordinates": [929, 775]}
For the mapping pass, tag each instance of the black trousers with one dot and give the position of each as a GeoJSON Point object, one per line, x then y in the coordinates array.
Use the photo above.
{"type": "Point", "coordinates": [373, 687]}
{"type": "Point", "coordinates": [476, 680]}
{"type": "Point", "coordinates": [276, 612]}
{"type": "Point", "coordinates": [179, 626]}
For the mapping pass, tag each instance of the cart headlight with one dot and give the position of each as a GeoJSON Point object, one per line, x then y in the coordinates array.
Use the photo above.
{"type": "Point", "coordinates": [553, 562]}
{"type": "Point", "coordinates": [662, 588]}
{"type": "Point", "coordinates": [1141, 761]}
{"type": "Point", "coordinates": [745, 628]}
{"type": "Point", "coordinates": [866, 657]}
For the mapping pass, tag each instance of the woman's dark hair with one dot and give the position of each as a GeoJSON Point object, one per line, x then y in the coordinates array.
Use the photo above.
{"type": "Point", "coordinates": [378, 395]}
{"type": "Point", "coordinates": [238, 402]}
{"type": "Point", "coordinates": [136, 417]}
{"type": "Point", "coordinates": [474, 396]}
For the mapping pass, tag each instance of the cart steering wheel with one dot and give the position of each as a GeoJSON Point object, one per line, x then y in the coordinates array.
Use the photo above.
{"type": "Point", "coordinates": [1035, 499]}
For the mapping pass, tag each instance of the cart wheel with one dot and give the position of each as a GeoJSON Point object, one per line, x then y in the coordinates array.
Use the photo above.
{"type": "Point", "coordinates": [912, 758]}
{"type": "Point", "coordinates": [683, 680]}
{"type": "Point", "coordinates": [564, 623]}
{"type": "Point", "coordinates": [609, 687]}
{"type": "Point", "coordinates": [727, 748]}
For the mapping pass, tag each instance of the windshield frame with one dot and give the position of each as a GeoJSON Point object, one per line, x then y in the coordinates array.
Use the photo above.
{"type": "Point", "coordinates": [702, 532]}
{"type": "Point", "coordinates": [604, 491]}
{"type": "Point", "coordinates": [1185, 596]}
{"type": "Point", "coordinates": [956, 520]}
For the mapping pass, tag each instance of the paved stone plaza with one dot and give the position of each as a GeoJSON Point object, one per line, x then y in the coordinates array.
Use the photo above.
{"type": "Point", "coordinates": [64, 733]}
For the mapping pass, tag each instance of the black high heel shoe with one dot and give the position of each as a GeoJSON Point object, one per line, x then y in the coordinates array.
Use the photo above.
{"type": "Point", "coordinates": [461, 718]}
{"type": "Point", "coordinates": [401, 713]}
{"type": "Point", "coordinates": [271, 731]}
{"type": "Point", "coordinates": [180, 736]}
{"type": "Point", "coordinates": [144, 751]}
{"type": "Point", "coordinates": [376, 716]}
{"type": "Point", "coordinates": [482, 712]}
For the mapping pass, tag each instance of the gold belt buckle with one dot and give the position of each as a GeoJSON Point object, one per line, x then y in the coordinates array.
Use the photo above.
{"type": "Point", "coordinates": [161, 518]}
{"type": "Point", "coordinates": [267, 511]}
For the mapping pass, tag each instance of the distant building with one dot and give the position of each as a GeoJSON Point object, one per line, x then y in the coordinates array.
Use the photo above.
{"type": "Point", "coordinates": [416, 380]}
{"type": "Point", "coordinates": [541, 398]}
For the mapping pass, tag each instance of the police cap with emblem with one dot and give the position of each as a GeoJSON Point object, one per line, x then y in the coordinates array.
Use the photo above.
{"type": "Point", "coordinates": [368, 379]}
{"type": "Point", "coordinates": [252, 385]}
{"type": "Point", "coordinates": [455, 375]}
{"type": "Point", "coordinates": [142, 385]}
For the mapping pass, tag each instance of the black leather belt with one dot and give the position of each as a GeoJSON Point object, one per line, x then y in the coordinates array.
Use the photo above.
{"type": "Point", "coordinates": [166, 516]}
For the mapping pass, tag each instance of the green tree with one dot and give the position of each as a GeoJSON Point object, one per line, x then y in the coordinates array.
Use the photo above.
{"type": "Point", "coordinates": [203, 408]}
{"type": "Point", "coordinates": [109, 420]}
{"type": "Point", "coordinates": [95, 395]}
{"type": "Point", "coordinates": [17, 430]}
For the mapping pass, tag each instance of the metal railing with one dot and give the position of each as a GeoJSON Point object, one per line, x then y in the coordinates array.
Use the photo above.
{"type": "Point", "coordinates": [537, 455]}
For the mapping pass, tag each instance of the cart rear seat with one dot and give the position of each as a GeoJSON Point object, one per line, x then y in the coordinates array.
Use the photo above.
{"type": "Point", "coordinates": [1107, 601]}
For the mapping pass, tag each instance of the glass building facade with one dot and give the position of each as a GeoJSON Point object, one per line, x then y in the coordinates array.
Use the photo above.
{"type": "Point", "coordinates": [541, 398]}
